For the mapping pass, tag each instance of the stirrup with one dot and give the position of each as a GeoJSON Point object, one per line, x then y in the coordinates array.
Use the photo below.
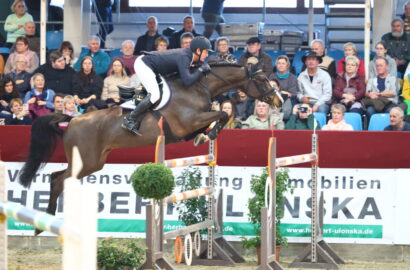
{"type": "Point", "coordinates": [130, 126]}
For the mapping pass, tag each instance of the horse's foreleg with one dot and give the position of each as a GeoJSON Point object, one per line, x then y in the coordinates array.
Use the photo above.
{"type": "Point", "coordinates": [209, 117]}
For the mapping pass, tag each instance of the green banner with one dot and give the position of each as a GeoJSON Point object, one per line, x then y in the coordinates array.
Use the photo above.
{"type": "Point", "coordinates": [230, 228]}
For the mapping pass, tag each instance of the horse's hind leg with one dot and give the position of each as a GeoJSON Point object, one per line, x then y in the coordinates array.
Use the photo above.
{"type": "Point", "coordinates": [56, 187]}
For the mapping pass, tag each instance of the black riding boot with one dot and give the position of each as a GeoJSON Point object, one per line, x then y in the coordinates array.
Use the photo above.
{"type": "Point", "coordinates": [132, 122]}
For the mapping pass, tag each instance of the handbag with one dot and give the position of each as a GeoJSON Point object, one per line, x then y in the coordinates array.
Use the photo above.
{"type": "Point", "coordinates": [37, 110]}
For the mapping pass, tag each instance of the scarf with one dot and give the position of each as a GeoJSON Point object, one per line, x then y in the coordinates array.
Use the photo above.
{"type": "Point", "coordinates": [284, 76]}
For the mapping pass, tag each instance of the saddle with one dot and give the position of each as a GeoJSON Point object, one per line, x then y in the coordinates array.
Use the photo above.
{"type": "Point", "coordinates": [128, 93]}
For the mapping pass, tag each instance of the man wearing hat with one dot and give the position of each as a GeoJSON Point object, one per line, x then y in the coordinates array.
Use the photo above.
{"type": "Point", "coordinates": [315, 84]}
{"type": "Point", "coordinates": [253, 49]}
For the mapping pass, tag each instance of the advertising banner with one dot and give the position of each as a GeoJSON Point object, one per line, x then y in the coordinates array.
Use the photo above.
{"type": "Point", "coordinates": [361, 205]}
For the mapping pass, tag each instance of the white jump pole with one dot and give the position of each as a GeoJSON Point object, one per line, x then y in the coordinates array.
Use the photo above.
{"type": "Point", "coordinates": [3, 220]}
{"type": "Point", "coordinates": [80, 211]}
{"type": "Point", "coordinates": [367, 25]}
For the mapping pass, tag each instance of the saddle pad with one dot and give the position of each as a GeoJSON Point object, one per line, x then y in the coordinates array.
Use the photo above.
{"type": "Point", "coordinates": [166, 96]}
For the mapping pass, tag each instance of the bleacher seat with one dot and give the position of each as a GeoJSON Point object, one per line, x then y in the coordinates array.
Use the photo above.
{"type": "Point", "coordinates": [355, 120]}
{"type": "Point", "coordinates": [4, 50]}
{"type": "Point", "coordinates": [321, 118]}
{"type": "Point", "coordinates": [115, 53]}
{"type": "Point", "coordinates": [379, 121]}
{"type": "Point", "coordinates": [54, 39]}
{"type": "Point", "coordinates": [297, 62]}
{"type": "Point", "coordinates": [274, 55]}
{"type": "Point", "coordinates": [238, 53]}
{"type": "Point", "coordinates": [336, 54]}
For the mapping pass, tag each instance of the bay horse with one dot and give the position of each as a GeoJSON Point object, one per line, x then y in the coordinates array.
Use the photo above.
{"type": "Point", "coordinates": [97, 133]}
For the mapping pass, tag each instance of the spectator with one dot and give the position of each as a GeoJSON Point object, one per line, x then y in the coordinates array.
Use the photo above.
{"type": "Point", "coordinates": [328, 63]}
{"type": "Point", "coordinates": [315, 85]}
{"type": "Point", "coordinates": [381, 91]}
{"type": "Point", "coordinates": [14, 25]}
{"type": "Point", "coordinates": [58, 103]}
{"type": "Point", "coordinates": [33, 40]}
{"type": "Point", "coordinates": [337, 122]}
{"type": "Point", "coordinates": [186, 39]}
{"type": "Point", "coordinates": [287, 83]}
{"type": "Point", "coordinates": [398, 44]}
{"type": "Point", "coordinates": [263, 119]}
{"type": "Point", "coordinates": [381, 51]}
{"type": "Point", "coordinates": [397, 122]}
{"type": "Point", "coordinates": [22, 48]}
{"type": "Point", "coordinates": [228, 107]}
{"type": "Point", "coordinates": [302, 118]}
{"type": "Point", "coordinates": [243, 105]}
{"type": "Point", "coordinates": [222, 52]}
{"type": "Point", "coordinates": [146, 42]}
{"type": "Point", "coordinates": [20, 76]}
{"type": "Point", "coordinates": [69, 107]}
{"type": "Point", "coordinates": [406, 93]}
{"type": "Point", "coordinates": [103, 12]}
{"type": "Point", "coordinates": [128, 59]}
{"type": "Point", "coordinates": [212, 14]}
{"type": "Point", "coordinates": [110, 92]}
{"type": "Point", "coordinates": [161, 43]}
{"type": "Point", "coordinates": [20, 116]}
{"type": "Point", "coordinates": [87, 86]}
{"type": "Point", "coordinates": [8, 91]}
{"type": "Point", "coordinates": [39, 98]}
{"type": "Point", "coordinates": [406, 17]}
{"type": "Point", "coordinates": [67, 49]}
{"type": "Point", "coordinates": [350, 86]}
{"type": "Point", "coordinates": [254, 49]}
{"type": "Point", "coordinates": [1, 66]}
{"type": "Point", "coordinates": [188, 26]}
{"type": "Point", "coordinates": [350, 50]}
{"type": "Point", "coordinates": [100, 58]}
{"type": "Point", "coordinates": [58, 74]}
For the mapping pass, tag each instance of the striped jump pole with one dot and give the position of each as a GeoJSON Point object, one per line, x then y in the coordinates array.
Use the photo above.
{"type": "Point", "coordinates": [184, 162]}
{"type": "Point", "coordinates": [293, 160]}
{"type": "Point", "coordinates": [190, 194]}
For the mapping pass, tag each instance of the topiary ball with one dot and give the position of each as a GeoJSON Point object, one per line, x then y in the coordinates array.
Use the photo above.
{"type": "Point", "coordinates": [153, 181]}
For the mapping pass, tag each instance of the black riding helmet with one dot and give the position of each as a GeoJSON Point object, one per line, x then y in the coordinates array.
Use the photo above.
{"type": "Point", "coordinates": [201, 43]}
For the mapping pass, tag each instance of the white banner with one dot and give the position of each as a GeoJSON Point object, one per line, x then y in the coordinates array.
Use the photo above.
{"type": "Point", "coordinates": [362, 205]}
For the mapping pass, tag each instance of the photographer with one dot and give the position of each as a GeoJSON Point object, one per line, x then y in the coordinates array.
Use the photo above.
{"type": "Point", "coordinates": [302, 118]}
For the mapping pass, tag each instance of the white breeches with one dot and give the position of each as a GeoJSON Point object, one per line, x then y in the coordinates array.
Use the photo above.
{"type": "Point", "coordinates": [147, 78]}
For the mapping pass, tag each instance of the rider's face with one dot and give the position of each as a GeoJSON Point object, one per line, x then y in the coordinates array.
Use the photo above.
{"type": "Point", "coordinates": [204, 55]}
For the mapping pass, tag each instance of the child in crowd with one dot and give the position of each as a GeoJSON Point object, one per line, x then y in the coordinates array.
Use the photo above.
{"type": "Point", "coordinates": [69, 107]}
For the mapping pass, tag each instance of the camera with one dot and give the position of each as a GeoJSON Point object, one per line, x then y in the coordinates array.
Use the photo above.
{"type": "Point", "coordinates": [302, 109]}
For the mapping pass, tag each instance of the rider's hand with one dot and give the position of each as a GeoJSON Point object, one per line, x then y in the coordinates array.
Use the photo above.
{"type": "Point", "coordinates": [204, 68]}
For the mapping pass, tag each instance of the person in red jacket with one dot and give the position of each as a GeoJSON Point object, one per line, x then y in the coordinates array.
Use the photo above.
{"type": "Point", "coordinates": [350, 50]}
{"type": "Point", "coordinates": [350, 86]}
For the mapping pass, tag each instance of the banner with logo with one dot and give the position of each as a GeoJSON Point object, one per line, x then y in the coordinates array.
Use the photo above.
{"type": "Point", "coordinates": [361, 205]}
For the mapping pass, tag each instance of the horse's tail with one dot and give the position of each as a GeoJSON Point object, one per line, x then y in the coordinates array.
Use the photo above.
{"type": "Point", "coordinates": [42, 145]}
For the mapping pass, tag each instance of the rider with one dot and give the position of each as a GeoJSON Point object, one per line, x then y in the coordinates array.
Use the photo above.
{"type": "Point", "coordinates": [166, 62]}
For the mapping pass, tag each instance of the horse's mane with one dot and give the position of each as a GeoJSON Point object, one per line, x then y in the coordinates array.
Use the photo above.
{"type": "Point", "coordinates": [213, 64]}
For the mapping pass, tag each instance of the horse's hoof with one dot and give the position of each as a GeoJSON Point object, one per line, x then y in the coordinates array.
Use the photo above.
{"type": "Point", "coordinates": [200, 139]}
{"type": "Point", "coordinates": [37, 232]}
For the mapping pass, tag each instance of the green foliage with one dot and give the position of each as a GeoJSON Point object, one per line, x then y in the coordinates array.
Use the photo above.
{"type": "Point", "coordinates": [194, 210]}
{"type": "Point", "coordinates": [258, 201]}
{"type": "Point", "coordinates": [120, 252]}
{"type": "Point", "coordinates": [153, 181]}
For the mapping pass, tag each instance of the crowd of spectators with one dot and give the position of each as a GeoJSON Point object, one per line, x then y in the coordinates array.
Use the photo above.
{"type": "Point", "coordinates": [70, 85]}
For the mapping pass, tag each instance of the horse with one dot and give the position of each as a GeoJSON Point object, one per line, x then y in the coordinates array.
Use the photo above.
{"type": "Point", "coordinates": [98, 132]}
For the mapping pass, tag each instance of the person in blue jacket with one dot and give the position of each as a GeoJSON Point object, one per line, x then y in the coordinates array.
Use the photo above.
{"type": "Point", "coordinates": [163, 63]}
{"type": "Point", "coordinates": [100, 58]}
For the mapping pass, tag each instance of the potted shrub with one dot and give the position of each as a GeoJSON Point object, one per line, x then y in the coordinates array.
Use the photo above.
{"type": "Point", "coordinates": [258, 201]}
{"type": "Point", "coordinates": [116, 254]}
{"type": "Point", "coordinates": [153, 181]}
